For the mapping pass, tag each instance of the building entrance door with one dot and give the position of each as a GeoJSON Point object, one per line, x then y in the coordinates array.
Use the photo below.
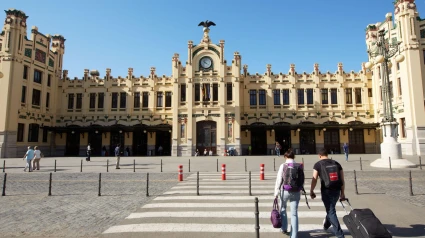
{"type": "Point", "coordinates": [331, 139]}
{"type": "Point", "coordinates": [95, 140]}
{"type": "Point", "coordinates": [117, 138]}
{"type": "Point", "coordinates": [206, 136]}
{"type": "Point", "coordinates": [356, 141]}
{"type": "Point", "coordinates": [283, 136]}
{"type": "Point", "coordinates": [258, 141]}
{"type": "Point", "coordinates": [307, 141]}
{"type": "Point", "coordinates": [163, 138]}
{"type": "Point", "coordinates": [72, 143]}
{"type": "Point", "coordinates": [140, 143]}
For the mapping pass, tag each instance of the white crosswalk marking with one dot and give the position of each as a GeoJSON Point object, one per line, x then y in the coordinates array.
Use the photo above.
{"type": "Point", "coordinates": [222, 207]}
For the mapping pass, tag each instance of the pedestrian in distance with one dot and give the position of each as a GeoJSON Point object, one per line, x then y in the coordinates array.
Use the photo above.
{"type": "Point", "coordinates": [117, 155]}
{"type": "Point", "coordinates": [277, 148]}
{"type": "Point", "coordinates": [29, 155]}
{"type": "Point", "coordinates": [36, 160]}
{"type": "Point", "coordinates": [289, 184]}
{"type": "Point", "coordinates": [345, 148]}
{"type": "Point", "coordinates": [88, 152]}
{"type": "Point", "coordinates": [332, 188]}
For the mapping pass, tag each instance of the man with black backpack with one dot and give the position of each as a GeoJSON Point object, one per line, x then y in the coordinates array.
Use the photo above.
{"type": "Point", "coordinates": [332, 189]}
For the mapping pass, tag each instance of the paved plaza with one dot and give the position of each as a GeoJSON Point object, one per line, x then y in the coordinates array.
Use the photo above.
{"type": "Point", "coordinates": [173, 209]}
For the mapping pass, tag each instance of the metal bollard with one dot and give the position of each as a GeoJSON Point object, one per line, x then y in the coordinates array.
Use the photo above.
{"type": "Point", "coordinates": [261, 171]}
{"type": "Point", "coordinates": [217, 165]}
{"type": "Point", "coordinates": [161, 165]}
{"type": "Point", "coordinates": [197, 183]}
{"type": "Point", "coordinates": [245, 166]}
{"type": "Point", "coordinates": [223, 172]}
{"type": "Point", "coordinates": [147, 185]}
{"type": "Point", "coordinates": [55, 166]}
{"type": "Point", "coordinates": [257, 219]}
{"type": "Point", "coordinates": [389, 160]}
{"type": "Point", "coordinates": [81, 167]}
{"type": "Point", "coordinates": [410, 183]}
{"type": "Point", "coordinates": [4, 166]}
{"type": "Point", "coordinates": [274, 164]}
{"type": "Point", "coordinates": [355, 182]}
{"type": "Point", "coordinates": [100, 184]}
{"type": "Point", "coordinates": [180, 173]}
{"type": "Point", "coordinates": [50, 185]}
{"type": "Point", "coordinates": [107, 165]}
{"type": "Point", "coordinates": [250, 194]}
{"type": "Point", "coordinates": [361, 166]}
{"type": "Point", "coordinates": [189, 165]}
{"type": "Point", "coordinates": [134, 165]}
{"type": "Point", "coordinates": [302, 159]}
{"type": "Point", "coordinates": [4, 185]}
{"type": "Point", "coordinates": [420, 163]}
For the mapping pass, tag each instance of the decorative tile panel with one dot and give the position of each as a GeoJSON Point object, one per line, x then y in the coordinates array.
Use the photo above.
{"type": "Point", "coordinates": [28, 53]}
{"type": "Point", "coordinates": [40, 56]}
{"type": "Point", "coordinates": [51, 62]}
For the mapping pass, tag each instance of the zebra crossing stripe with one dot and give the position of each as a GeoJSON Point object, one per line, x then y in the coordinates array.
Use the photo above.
{"type": "Point", "coordinates": [223, 214]}
{"type": "Point", "coordinates": [225, 205]}
{"type": "Point", "coordinates": [254, 191]}
{"type": "Point", "coordinates": [220, 198]}
{"type": "Point", "coordinates": [270, 187]}
{"type": "Point", "coordinates": [216, 228]}
{"type": "Point", "coordinates": [227, 182]}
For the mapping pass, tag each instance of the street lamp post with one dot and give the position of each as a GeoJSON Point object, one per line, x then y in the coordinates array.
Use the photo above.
{"type": "Point", "coordinates": [390, 148]}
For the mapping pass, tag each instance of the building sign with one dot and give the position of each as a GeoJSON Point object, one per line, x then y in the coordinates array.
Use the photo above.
{"type": "Point", "coordinates": [200, 80]}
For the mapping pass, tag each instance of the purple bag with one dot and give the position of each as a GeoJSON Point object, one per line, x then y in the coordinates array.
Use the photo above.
{"type": "Point", "coordinates": [275, 215]}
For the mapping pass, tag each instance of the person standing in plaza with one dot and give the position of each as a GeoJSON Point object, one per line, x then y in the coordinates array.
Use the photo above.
{"type": "Point", "coordinates": [117, 154]}
{"type": "Point", "coordinates": [277, 148]}
{"type": "Point", "coordinates": [88, 152]}
{"type": "Point", "coordinates": [160, 150]}
{"type": "Point", "coordinates": [29, 155]}
{"type": "Point", "coordinates": [104, 151]}
{"type": "Point", "coordinates": [288, 192]}
{"type": "Point", "coordinates": [36, 160]}
{"type": "Point", "coordinates": [332, 189]}
{"type": "Point", "coordinates": [345, 148]}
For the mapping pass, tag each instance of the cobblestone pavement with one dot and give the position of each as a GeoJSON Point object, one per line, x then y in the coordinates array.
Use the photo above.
{"type": "Point", "coordinates": [74, 209]}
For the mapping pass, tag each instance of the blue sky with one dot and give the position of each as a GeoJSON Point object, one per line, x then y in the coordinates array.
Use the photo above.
{"type": "Point", "coordinates": [140, 34]}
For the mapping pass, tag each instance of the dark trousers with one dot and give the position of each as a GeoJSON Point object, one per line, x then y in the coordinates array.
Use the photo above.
{"type": "Point", "coordinates": [330, 198]}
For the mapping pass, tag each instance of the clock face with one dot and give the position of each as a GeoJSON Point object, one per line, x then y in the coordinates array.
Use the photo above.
{"type": "Point", "coordinates": [206, 62]}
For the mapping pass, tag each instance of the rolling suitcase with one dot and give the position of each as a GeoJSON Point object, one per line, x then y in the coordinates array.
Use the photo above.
{"type": "Point", "coordinates": [362, 223]}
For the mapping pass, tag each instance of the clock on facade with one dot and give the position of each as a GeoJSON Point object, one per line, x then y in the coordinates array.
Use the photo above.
{"type": "Point", "coordinates": [205, 63]}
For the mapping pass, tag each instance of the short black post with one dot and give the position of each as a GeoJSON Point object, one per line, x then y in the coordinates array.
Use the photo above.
{"type": "Point", "coordinates": [55, 166]}
{"type": "Point", "coordinates": [389, 160]}
{"type": "Point", "coordinates": [410, 183]}
{"type": "Point", "coordinates": [250, 194]}
{"type": "Point", "coordinates": [4, 185]}
{"type": "Point", "coordinates": [361, 166]}
{"type": "Point", "coordinates": [246, 168]}
{"type": "Point", "coordinates": [161, 165]}
{"type": "Point", "coordinates": [302, 159]}
{"type": "Point", "coordinates": [100, 184]}
{"type": "Point", "coordinates": [274, 164]}
{"type": "Point", "coordinates": [257, 219]}
{"type": "Point", "coordinates": [50, 185]}
{"type": "Point", "coordinates": [197, 183]}
{"type": "Point", "coordinates": [147, 185]}
{"type": "Point", "coordinates": [4, 166]}
{"type": "Point", "coordinates": [189, 165]}
{"type": "Point", "coordinates": [134, 165]}
{"type": "Point", "coordinates": [355, 182]}
{"type": "Point", "coordinates": [107, 165]}
{"type": "Point", "coordinates": [420, 163]}
{"type": "Point", "coordinates": [217, 165]}
{"type": "Point", "coordinates": [81, 167]}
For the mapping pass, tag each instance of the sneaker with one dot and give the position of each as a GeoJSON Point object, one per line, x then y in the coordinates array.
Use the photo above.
{"type": "Point", "coordinates": [326, 225]}
{"type": "Point", "coordinates": [117, 168]}
{"type": "Point", "coordinates": [285, 232]}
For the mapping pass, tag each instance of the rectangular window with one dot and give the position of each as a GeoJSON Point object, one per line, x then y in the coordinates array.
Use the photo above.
{"type": "Point", "coordinates": [79, 103]}
{"type": "Point", "coordinates": [391, 90]}
{"type": "Point", "coordinates": [20, 136]}
{"type": "Point", "coordinates": [123, 100]}
{"type": "Point", "coordinates": [369, 92]}
{"type": "Point", "coordinates": [253, 97]}
{"type": "Point", "coordinates": [70, 101]}
{"type": "Point", "coordinates": [49, 79]}
{"type": "Point", "coordinates": [145, 102]}
{"type": "Point", "coordinates": [182, 131]}
{"type": "Point", "coordinates": [114, 100]}
{"type": "Point", "coordinates": [206, 92]}
{"type": "Point", "coordinates": [25, 76]}
{"type": "Point", "coordinates": [168, 99]}
{"type": "Point", "coordinates": [379, 72]}
{"type": "Point", "coordinates": [24, 94]}
{"type": "Point", "coordinates": [334, 96]}
{"type": "Point", "coordinates": [399, 87]}
{"type": "Point", "coordinates": [159, 99]}
{"type": "Point", "coordinates": [36, 96]}
{"type": "Point", "coordinates": [229, 91]}
{"type": "Point", "coordinates": [325, 96]}
{"type": "Point", "coordinates": [47, 100]}
{"type": "Point", "coordinates": [349, 96]}
{"type": "Point", "coordinates": [300, 93]}
{"type": "Point", "coordinates": [380, 92]}
{"type": "Point", "coordinates": [215, 92]}
{"type": "Point", "coordinates": [398, 66]}
{"type": "Point", "coordinates": [100, 100]}
{"type": "Point", "coordinates": [183, 93]}
{"type": "Point", "coordinates": [229, 130]}
{"type": "Point", "coordinates": [262, 97]}
{"type": "Point", "coordinates": [423, 52]}
{"type": "Point", "coordinates": [92, 103]}
{"type": "Point", "coordinates": [285, 95]}
{"type": "Point", "coordinates": [197, 92]}
{"type": "Point", "coordinates": [403, 127]}
{"type": "Point", "coordinates": [276, 96]}
{"type": "Point", "coordinates": [45, 133]}
{"type": "Point", "coordinates": [33, 133]}
{"type": "Point", "coordinates": [358, 95]}
{"type": "Point", "coordinates": [137, 100]}
{"type": "Point", "coordinates": [37, 76]}
{"type": "Point", "coordinates": [309, 96]}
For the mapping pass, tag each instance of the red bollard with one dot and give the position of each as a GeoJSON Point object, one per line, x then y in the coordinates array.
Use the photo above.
{"type": "Point", "coordinates": [180, 172]}
{"type": "Point", "coordinates": [261, 171]}
{"type": "Point", "coordinates": [223, 172]}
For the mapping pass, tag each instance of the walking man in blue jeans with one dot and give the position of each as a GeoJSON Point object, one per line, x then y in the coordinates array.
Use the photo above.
{"type": "Point", "coordinates": [332, 189]}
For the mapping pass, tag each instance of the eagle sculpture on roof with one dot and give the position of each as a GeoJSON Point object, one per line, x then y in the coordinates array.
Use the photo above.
{"type": "Point", "coordinates": [206, 23]}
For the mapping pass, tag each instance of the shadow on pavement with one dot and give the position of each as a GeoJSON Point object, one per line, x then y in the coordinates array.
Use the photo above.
{"type": "Point", "coordinates": [415, 230]}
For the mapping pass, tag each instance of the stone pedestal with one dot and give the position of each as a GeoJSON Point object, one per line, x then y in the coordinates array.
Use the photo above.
{"type": "Point", "coordinates": [391, 149]}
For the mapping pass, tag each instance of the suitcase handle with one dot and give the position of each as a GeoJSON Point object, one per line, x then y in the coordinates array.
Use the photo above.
{"type": "Point", "coordinates": [348, 201]}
